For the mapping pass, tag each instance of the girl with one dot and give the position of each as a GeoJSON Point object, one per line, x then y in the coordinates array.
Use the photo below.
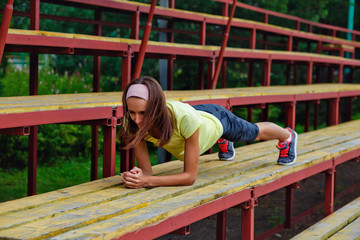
{"type": "Point", "coordinates": [186, 132]}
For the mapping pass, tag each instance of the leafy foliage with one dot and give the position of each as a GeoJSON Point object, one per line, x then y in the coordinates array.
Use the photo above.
{"type": "Point", "coordinates": [55, 142]}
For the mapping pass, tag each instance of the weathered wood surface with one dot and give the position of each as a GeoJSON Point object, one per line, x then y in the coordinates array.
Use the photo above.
{"type": "Point", "coordinates": [23, 104]}
{"type": "Point", "coordinates": [177, 48]}
{"type": "Point", "coordinates": [236, 22]}
{"type": "Point", "coordinates": [342, 224]}
{"type": "Point", "coordinates": [106, 209]}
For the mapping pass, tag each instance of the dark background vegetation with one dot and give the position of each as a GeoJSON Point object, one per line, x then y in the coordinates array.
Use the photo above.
{"type": "Point", "coordinates": [61, 74]}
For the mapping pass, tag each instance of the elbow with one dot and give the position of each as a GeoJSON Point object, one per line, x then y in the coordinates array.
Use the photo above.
{"type": "Point", "coordinates": [190, 181]}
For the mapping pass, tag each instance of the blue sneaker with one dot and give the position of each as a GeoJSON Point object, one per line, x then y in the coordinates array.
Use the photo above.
{"type": "Point", "coordinates": [287, 149]}
{"type": "Point", "coordinates": [226, 150]}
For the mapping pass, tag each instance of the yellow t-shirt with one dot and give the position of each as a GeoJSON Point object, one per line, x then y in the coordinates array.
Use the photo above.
{"type": "Point", "coordinates": [188, 120]}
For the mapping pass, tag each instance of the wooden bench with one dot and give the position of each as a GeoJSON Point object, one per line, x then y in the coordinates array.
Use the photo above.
{"type": "Point", "coordinates": [80, 43]}
{"type": "Point", "coordinates": [341, 48]}
{"type": "Point", "coordinates": [64, 43]}
{"type": "Point", "coordinates": [132, 7]}
{"type": "Point", "coordinates": [106, 209]}
{"type": "Point", "coordinates": [105, 109]}
{"type": "Point", "coordinates": [342, 224]}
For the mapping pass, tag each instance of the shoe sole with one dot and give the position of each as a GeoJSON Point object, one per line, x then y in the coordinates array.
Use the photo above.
{"type": "Point", "coordinates": [290, 163]}
{"type": "Point", "coordinates": [231, 158]}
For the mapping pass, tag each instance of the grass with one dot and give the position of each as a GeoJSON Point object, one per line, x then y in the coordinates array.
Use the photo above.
{"type": "Point", "coordinates": [49, 178]}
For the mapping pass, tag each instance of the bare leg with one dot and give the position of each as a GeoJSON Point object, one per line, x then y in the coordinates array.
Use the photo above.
{"type": "Point", "coordinates": [270, 131]}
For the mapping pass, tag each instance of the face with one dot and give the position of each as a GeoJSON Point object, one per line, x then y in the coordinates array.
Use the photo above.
{"type": "Point", "coordinates": [136, 108]}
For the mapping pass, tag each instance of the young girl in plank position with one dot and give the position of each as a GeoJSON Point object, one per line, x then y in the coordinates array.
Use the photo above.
{"type": "Point", "coordinates": [186, 132]}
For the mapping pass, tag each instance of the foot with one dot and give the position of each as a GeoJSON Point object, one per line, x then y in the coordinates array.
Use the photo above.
{"type": "Point", "coordinates": [226, 150]}
{"type": "Point", "coordinates": [287, 149]}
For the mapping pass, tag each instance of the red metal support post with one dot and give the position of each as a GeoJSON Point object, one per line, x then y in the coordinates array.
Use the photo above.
{"type": "Point", "coordinates": [126, 155]}
{"type": "Point", "coordinates": [290, 114]}
{"type": "Point", "coordinates": [170, 72]}
{"type": "Point", "coordinates": [5, 23]}
{"type": "Point", "coordinates": [266, 18]}
{"type": "Point", "coordinates": [96, 88]}
{"type": "Point", "coordinates": [126, 68]}
{"type": "Point", "coordinates": [309, 72]}
{"type": "Point", "coordinates": [109, 148]}
{"type": "Point", "coordinates": [32, 140]}
{"type": "Point", "coordinates": [266, 72]}
{"type": "Point", "coordinates": [135, 24]}
{"type": "Point", "coordinates": [223, 46]}
{"type": "Point", "coordinates": [340, 73]}
{"type": "Point", "coordinates": [329, 191]}
{"type": "Point", "coordinates": [221, 225]}
{"type": "Point", "coordinates": [35, 14]}
{"type": "Point", "coordinates": [248, 220]}
{"type": "Point", "coordinates": [33, 90]}
{"type": "Point", "coordinates": [32, 158]}
{"type": "Point", "coordinates": [253, 38]}
{"type": "Point", "coordinates": [289, 43]}
{"type": "Point", "coordinates": [225, 9]}
{"type": "Point", "coordinates": [289, 204]}
{"type": "Point", "coordinates": [310, 28]}
{"type": "Point", "coordinates": [171, 3]}
{"type": "Point", "coordinates": [144, 41]}
{"type": "Point", "coordinates": [210, 72]}
{"type": "Point", "coordinates": [202, 32]}
{"type": "Point", "coordinates": [333, 111]}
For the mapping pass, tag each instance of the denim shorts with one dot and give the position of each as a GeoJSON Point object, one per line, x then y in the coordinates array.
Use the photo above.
{"type": "Point", "coordinates": [235, 129]}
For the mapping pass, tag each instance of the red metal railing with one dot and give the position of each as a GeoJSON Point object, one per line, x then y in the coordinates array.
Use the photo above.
{"type": "Point", "coordinates": [223, 46]}
{"type": "Point", "coordinates": [144, 41]}
{"type": "Point", "coordinates": [298, 21]}
{"type": "Point", "coordinates": [5, 23]}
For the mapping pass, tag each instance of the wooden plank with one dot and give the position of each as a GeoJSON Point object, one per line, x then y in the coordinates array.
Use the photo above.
{"type": "Point", "coordinates": [71, 192]}
{"type": "Point", "coordinates": [307, 143]}
{"type": "Point", "coordinates": [207, 162]}
{"type": "Point", "coordinates": [266, 170]}
{"type": "Point", "coordinates": [120, 225]}
{"type": "Point", "coordinates": [176, 48]}
{"type": "Point", "coordinates": [87, 100]}
{"type": "Point", "coordinates": [222, 20]}
{"type": "Point", "coordinates": [58, 102]}
{"type": "Point", "coordinates": [333, 223]}
{"type": "Point", "coordinates": [351, 231]}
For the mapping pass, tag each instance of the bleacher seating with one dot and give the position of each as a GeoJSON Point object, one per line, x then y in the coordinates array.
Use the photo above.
{"type": "Point", "coordinates": [342, 224]}
{"type": "Point", "coordinates": [104, 208]}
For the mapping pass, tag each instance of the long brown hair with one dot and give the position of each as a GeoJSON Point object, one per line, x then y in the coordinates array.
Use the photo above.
{"type": "Point", "coordinates": [157, 116]}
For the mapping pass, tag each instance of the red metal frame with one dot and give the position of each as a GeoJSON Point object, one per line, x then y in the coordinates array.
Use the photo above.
{"type": "Point", "coordinates": [23, 131]}
{"type": "Point", "coordinates": [190, 216]}
{"type": "Point", "coordinates": [248, 199]}
{"type": "Point", "coordinates": [223, 46]}
{"type": "Point", "coordinates": [109, 118]}
{"type": "Point", "coordinates": [298, 21]}
{"type": "Point", "coordinates": [5, 23]}
{"type": "Point", "coordinates": [144, 41]}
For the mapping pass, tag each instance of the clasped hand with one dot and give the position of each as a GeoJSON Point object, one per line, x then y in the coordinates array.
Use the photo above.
{"type": "Point", "coordinates": [134, 178]}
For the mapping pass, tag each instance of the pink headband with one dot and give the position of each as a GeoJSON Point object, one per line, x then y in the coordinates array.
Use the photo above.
{"type": "Point", "coordinates": [138, 90]}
